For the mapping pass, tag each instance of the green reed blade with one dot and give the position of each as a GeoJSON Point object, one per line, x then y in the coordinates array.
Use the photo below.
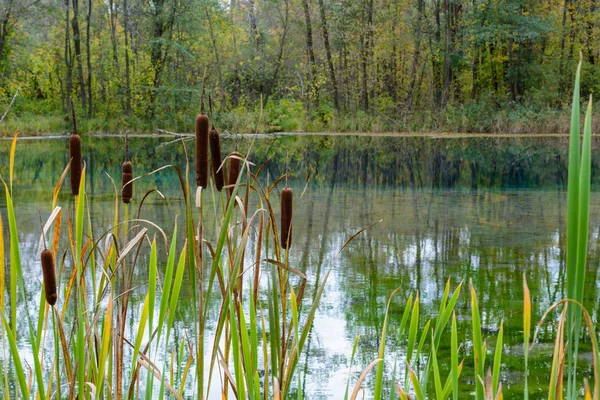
{"type": "Point", "coordinates": [354, 347]}
{"type": "Point", "coordinates": [306, 329]}
{"type": "Point", "coordinates": [235, 350]}
{"type": "Point", "coordinates": [582, 240]}
{"type": "Point", "coordinates": [56, 354]}
{"type": "Point", "coordinates": [381, 355]}
{"type": "Point", "coordinates": [454, 357]}
{"type": "Point", "coordinates": [175, 294]}
{"type": "Point", "coordinates": [149, 303]}
{"type": "Point", "coordinates": [423, 338]}
{"type": "Point", "coordinates": [416, 385]}
{"type": "Point", "coordinates": [478, 346]}
{"type": "Point", "coordinates": [412, 330]}
{"type": "Point", "coordinates": [16, 277]}
{"type": "Point", "coordinates": [164, 299]}
{"type": "Point", "coordinates": [18, 366]}
{"type": "Point", "coordinates": [247, 360]}
{"type": "Point", "coordinates": [15, 257]}
{"type": "Point", "coordinates": [253, 333]}
{"type": "Point", "coordinates": [106, 339]}
{"type": "Point", "coordinates": [573, 220]}
{"type": "Point", "coordinates": [140, 334]}
{"type": "Point", "coordinates": [497, 359]}
{"type": "Point", "coordinates": [405, 314]}
{"type": "Point", "coordinates": [393, 382]}
{"type": "Point", "coordinates": [436, 371]}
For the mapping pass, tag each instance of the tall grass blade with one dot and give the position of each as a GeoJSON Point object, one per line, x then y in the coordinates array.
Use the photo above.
{"type": "Point", "coordinates": [380, 366]}
{"type": "Point", "coordinates": [526, 334]}
{"type": "Point", "coordinates": [573, 204]}
{"type": "Point", "coordinates": [478, 347]}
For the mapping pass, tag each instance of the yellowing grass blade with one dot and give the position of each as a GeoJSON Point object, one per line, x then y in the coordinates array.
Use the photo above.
{"type": "Point", "coordinates": [526, 332]}
{"type": "Point", "coordinates": [13, 149]}
{"type": "Point", "coordinates": [1, 266]}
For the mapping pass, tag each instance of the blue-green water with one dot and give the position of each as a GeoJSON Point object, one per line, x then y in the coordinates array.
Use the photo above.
{"type": "Point", "coordinates": [486, 210]}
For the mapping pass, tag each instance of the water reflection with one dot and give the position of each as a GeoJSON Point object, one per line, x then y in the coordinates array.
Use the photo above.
{"type": "Point", "coordinates": [480, 210]}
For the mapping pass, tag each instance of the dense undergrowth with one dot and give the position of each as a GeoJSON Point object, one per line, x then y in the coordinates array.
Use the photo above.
{"type": "Point", "coordinates": [38, 117]}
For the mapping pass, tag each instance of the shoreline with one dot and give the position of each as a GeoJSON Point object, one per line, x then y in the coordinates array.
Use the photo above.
{"type": "Point", "coordinates": [227, 135]}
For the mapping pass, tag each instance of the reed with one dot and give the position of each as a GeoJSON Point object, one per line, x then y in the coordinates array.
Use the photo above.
{"type": "Point", "coordinates": [234, 170]}
{"type": "Point", "coordinates": [286, 218]}
{"type": "Point", "coordinates": [216, 158]}
{"type": "Point", "coordinates": [49, 276]}
{"type": "Point", "coordinates": [75, 155]}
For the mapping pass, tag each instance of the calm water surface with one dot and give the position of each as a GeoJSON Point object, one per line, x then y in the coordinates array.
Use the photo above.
{"type": "Point", "coordinates": [481, 209]}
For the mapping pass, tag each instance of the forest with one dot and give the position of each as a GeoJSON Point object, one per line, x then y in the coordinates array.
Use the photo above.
{"type": "Point", "coordinates": [502, 66]}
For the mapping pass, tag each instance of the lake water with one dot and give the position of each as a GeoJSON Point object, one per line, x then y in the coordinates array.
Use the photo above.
{"type": "Point", "coordinates": [481, 209]}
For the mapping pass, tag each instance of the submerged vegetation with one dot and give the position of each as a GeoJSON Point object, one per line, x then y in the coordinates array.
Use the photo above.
{"type": "Point", "coordinates": [81, 341]}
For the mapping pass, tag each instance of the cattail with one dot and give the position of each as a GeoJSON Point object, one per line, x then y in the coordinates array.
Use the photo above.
{"type": "Point", "coordinates": [49, 276]}
{"type": "Point", "coordinates": [286, 218]}
{"type": "Point", "coordinates": [234, 170]}
{"type": "Point", "coordinates": [202, 150]}
{"type": "Point", "coordinates": [215, 156]}
{"type": "Point", "coordinates": [127, 188]}
{"type": "Point", "coordinates": [75, 155]}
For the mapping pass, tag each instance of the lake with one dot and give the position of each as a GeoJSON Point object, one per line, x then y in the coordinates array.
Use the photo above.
{"type": "Point", "coordinates": [480, 209]}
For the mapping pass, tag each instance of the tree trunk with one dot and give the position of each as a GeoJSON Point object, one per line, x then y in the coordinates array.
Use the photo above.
{"type": "Point", "coordinates": [77, 42]}
{"type": "Point", "coordinates": [416, 55]}
{"type": "Point", "coordinates": [268, 88]}
{"type": "Point", "coordinates": [218, 63]}
{"type": "Point", "coordinates": [127, 71]}
{"type": "Point", "coordinates": [313, 92]}
{"type": "Point", "coordinates": [589, 32]}
{"type": "Point", "coordinates": [336, 96]}
{"type": "Point", "coordinates": [562, 82]}
{"type": "Point", "coordinates": [254, 32]}
{"type": "Point", "coordinates": [4, 29]}
{"type": "Point", "coordinates": [89, 60]}
{"type": "Point", "coordinates": [68, 78]}
{"type": "Point", "coordinates": [474, 74]}
{"type": "Point", "coordinates": [112, 18]}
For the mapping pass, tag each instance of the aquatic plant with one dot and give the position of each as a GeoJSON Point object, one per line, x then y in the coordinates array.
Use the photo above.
{"type": "Point", "coordinates": [202, 147]}
{"type": "Point", "coordinates": [49, 274]}
{"type": "Point", "coordinates": [286, 217]}
{"type": "Point", "coordinates": [126, 182]}
{"type": "Point", "coordinates": [216, 158]}
{"type": "Point", "coordinates": [235, 159]}
{"type": "Point", "coordinates": [75, 155]}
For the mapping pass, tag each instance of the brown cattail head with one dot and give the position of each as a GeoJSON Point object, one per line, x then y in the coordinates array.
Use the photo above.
{"type": "Point", "coordinates": [234, 170]}
{"type": "Point", "coordinates": [76, 165]}
{"type": "Point", "coordinates": [286, 218]}
{"type": "Point", "coordinates": [215, 156]}
{"type": "Point", "coordinates": [75, 154]}
{"type": "Point", "coordinates": [202, 151]}
{"type": "Point", "coordinates": [49, 276]}
{"type": "Point", "coordinates": [127, 185]}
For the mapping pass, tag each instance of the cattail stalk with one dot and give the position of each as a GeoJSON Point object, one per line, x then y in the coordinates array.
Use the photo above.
{"type": "Point", "coordinates": [75, 155]}
{"type": "Point", "coordinates": [286, 218]}
{"type": "Point", "coordinates": [215, 156]}
{"type": "Point", "coordinates": [234, 170]}
{"type": "Point", "coordinates": [49, 276]}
